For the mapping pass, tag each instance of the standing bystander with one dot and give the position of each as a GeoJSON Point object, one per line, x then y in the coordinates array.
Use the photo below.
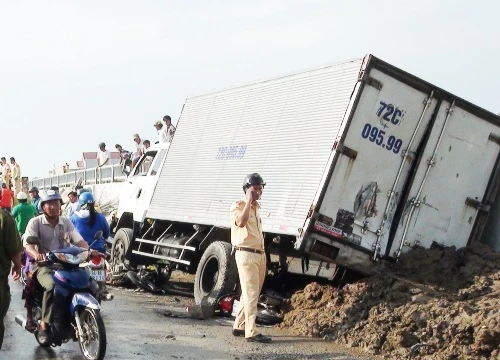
{"type": "Point", "coordinates": [35, 197]}
{"type": "Point", "coordinates": [139, 149]}
{"type": "Point", "coordinates": [10, 252]}
{"type": "Point", "coordinates": [162, 138]}
{"type": "Point", "coordinates": [16, 175]}
{"type": "Point", "coordinates": [73, 204]}
{"type": "Point", "coordinates": [168, 129]}
{"type": "Point", "coordinates": [23, 212]}
{"type": "Point", "coordinates": [102, 155]}
{"type": "Point", "coordinates": [102, 159]}
{"type": "Point", "coordinates": [248, 242]}
{"type": "Point", "coordinates": [125, 159]}
{"type": "Point", "coordinates": [5, 171]}
{"type": "Point", "coordinates": [7, 198]}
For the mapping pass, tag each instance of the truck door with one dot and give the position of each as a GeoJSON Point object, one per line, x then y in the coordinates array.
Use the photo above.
{"type": "Point", "coordinates": [450, 182]}
{"type": "Point", "coordinates": [378, 147]}
{"type": "Point", "coordinates": [138, 189]}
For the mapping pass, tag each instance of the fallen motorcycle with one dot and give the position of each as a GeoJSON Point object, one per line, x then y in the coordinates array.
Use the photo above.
{"type": "Point", "coordinates": [76, 312]}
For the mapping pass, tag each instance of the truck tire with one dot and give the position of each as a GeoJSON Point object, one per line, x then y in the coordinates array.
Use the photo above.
{"type": "Point", "coordinates": [216, 275]}
{"type": "Point", "coordinates": [121, 242]}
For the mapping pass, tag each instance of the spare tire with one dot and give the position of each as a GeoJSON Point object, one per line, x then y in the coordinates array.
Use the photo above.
{"type": "Point", "coordinates": [216, 275]}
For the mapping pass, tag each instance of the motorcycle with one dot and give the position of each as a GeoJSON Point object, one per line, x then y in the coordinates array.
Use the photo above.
{"type": "Point", "coordinates": [99, 269]}
{"type": "Point", "coordinates": [76, 312]}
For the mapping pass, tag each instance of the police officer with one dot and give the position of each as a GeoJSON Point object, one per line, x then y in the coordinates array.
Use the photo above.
{"type": "Point", "coordinates": [248, 243]}
{"type": "Point", "coordinates": [10, 251]}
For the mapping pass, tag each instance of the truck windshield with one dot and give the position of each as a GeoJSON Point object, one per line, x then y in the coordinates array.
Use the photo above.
{"type": "Point", "coordinates": [144, 164]}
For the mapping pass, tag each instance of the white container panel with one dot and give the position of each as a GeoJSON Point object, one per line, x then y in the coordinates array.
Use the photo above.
{"type": "Point", "coordinates": [463, 163]}
{"type": "Point", "coordinates": [284, 129]}
{"type": "Point", "coordinates": [356, 199]}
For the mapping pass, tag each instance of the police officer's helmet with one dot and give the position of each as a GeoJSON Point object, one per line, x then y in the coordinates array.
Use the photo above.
{"type": "Point", "coordinates": [49, 196]}
{"type": "Point", "coordinates": [86, 198]}
{"type": "Point", "coordinates": [253, 179]}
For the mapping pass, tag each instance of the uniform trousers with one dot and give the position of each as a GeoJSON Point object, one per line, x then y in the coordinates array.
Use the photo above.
{"type": "Point", "coordinates": [252, 272]}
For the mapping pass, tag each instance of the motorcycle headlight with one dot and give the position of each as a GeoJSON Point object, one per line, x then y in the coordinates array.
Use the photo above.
{"type": "Point", "coordinates": [73, 259]}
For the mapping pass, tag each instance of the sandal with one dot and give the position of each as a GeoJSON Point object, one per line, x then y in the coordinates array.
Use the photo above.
{"type": "Point", "coordinates": [30, 325]}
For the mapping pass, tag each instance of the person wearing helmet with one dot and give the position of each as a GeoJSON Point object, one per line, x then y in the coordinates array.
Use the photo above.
{"type": "Point", "coordinates": [35, 197]}
{"type": "Point", "coordinates": [88, 222]}
{"type": "Point", "coordinates": [54, 232]}
{"type": "Point", "coordinates": [248, 243]}
{"type": "Point", "coordinates": [23, 212]}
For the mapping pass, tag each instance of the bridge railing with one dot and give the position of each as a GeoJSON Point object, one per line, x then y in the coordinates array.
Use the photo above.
{"type": "Point", "coordinates": [106, 174]}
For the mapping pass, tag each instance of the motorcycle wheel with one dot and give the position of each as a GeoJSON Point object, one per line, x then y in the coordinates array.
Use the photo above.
{"type": "Point", "coordinates": [93, 340]}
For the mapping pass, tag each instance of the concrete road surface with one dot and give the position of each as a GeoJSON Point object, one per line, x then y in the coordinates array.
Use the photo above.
{"type": "Point", "coordinates": [145, 326]}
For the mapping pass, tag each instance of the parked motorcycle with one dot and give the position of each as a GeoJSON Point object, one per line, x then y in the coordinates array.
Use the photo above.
{"type": "Point", "coordinates": [99, 268]}
{"type": "Point", "coordinates": [76, 312]}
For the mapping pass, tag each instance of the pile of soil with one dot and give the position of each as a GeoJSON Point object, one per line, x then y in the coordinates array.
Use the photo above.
{"type": "Point", "coordinates": [432, 304]}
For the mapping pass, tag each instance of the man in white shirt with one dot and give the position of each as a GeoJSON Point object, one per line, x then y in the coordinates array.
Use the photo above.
{"type": "Point", "coordinates": [168, 128]}
{"type": "Point", "coordinates": [73, 204]}
{"type": "Point", "coordinates": [102, 158]}
{"type": "Point", "coordinates": [102, 155]}
{"type": "Point", "coordinates": [162, 137]}
{"type": "Point", "coordinates": [139, 149]}
{"type": "Point", "coordinates": [16, 175]}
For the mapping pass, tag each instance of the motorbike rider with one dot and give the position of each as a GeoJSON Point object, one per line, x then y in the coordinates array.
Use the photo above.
{"type": "Point", "coordinates": [54, 232]}
{"type": "Point", "coordinates": [88, 222]}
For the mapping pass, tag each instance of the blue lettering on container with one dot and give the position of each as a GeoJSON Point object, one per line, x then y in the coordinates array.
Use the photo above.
{"type": "Point", "coordinates": [377, 136]}
{"type": "Point", "coordinates": [233, 152]}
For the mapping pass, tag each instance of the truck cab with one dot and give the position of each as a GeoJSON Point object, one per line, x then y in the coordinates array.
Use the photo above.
{"type": "Point", "coordinates": [140, 184]}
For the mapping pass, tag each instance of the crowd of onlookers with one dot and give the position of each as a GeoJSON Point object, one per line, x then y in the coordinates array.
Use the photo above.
{"type": "Point", "coordinates": [11, 187]}
{"type": "Point", "coordinates": [128, 159]}
{"type": "Point", "coordinates": [11, 182]}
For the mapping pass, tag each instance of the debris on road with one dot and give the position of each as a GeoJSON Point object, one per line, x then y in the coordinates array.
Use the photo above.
{"type": "Point", "coordinates": [437, 303]}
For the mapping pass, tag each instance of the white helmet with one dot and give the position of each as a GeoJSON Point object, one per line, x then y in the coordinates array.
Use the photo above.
{"type": "Point", "coordinates": [22, 196]}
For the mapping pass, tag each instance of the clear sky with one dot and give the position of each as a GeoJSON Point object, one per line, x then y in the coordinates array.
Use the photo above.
{"type": "Point", "coordinates": [75, 73]}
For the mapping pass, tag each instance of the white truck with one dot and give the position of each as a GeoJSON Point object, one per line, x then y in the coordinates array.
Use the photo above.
{"type": "Point", "coordinates": [362, 162]}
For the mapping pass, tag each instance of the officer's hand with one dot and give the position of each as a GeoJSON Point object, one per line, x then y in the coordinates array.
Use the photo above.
{"type": "Point", "coordinates": [249, 195]}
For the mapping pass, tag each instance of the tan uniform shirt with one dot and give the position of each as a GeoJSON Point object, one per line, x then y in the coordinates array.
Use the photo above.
{"type": "Point", "coordinates": [6, 174]}
{"type": "Point", "coordinates": [16, 172]}
{"type": "Point", "coordinates": [250, 235]}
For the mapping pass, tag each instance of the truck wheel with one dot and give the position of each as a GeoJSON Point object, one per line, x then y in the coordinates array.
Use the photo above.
{"type": "Point", "coordinates": [121, 242]}
{"type": "Point", "coordinates": [216, 275]}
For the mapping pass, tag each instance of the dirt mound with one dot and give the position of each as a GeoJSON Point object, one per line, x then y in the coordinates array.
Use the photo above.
{"type": "Point", "coordinates": [432, 304]}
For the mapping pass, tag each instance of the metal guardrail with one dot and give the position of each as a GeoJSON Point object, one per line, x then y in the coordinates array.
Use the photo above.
{"type": "Point", "coordinates": [106, 174]}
